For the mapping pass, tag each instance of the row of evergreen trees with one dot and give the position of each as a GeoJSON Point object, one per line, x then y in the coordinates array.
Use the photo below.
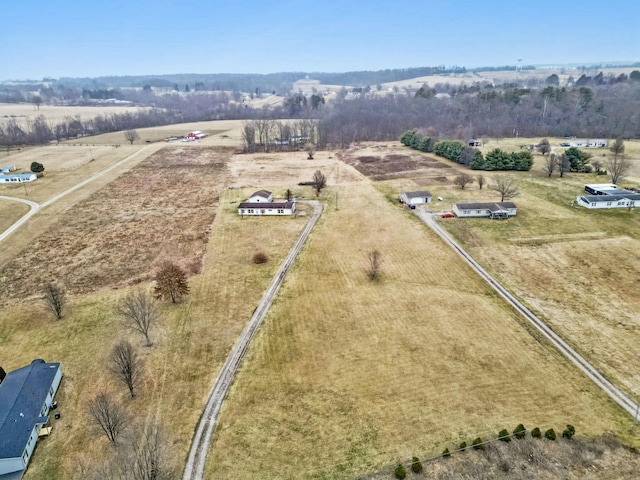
{"type": "Point", "coordinates": [458, 152]}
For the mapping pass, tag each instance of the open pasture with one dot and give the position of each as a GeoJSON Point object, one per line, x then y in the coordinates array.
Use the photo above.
{"type": "Point", "coordinates": [223, 133]}
{"type": "Point", "coordinates": [191, 341]}
{"type": "Point", "coordinates": [348, 375]}
{"type": "Point", "coordinates": [159, 210]}
{"type": "Point", "coordinates": [22, 112]}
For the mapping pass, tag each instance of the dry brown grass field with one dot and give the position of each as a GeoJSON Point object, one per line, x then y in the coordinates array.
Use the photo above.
{"type": "Point", "coordinates": [347, 375]}
{"type": "Point", "coordinates": [10, 212]}
{"type": "Point", "coordinates": [159, 210]}
{"type": "Point", "coordinates": [23, 111]}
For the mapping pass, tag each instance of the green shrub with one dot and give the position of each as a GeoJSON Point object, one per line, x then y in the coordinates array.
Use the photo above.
{"type": "Point", "coordinates": [504, 435]}
{"type": "Point", "coordinates": [569, 432]}
{"type": "Point", "coordinates": [37, 167]}
{"type": "Point", "coordinates": [550, 434]}
{"type": "Point", "coordinates": [416, 465]}
{"type": "Point", "coordinates": [520, 432]}
{"type": "Point", "coordinates": [446, 453]}
{"type": "Point", "coordinates": [400, 472]}
{"type": "Point", "coordinates": [463, 446]}
{"type": "Point", "coordinates": [535, 433]}
{"type": "Point", "coordinates": [477, 444]}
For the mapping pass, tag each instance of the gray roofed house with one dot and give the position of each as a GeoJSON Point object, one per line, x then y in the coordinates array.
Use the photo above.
{"type": "Point", "coordinates": [615, 199]}
{"type": "Point", "coordinates": [271, 208]}
{"type": "Point", "coordinates": [261, 196]}
{"type": "Point", "coordinates": [496, 210]}
{"type": "Point", "coordinates": [26, 395]}
{"type": "Point", "coordinates": [412, 199]}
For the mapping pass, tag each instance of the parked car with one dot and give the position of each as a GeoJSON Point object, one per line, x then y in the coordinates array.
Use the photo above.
{"type": "Point", "coordinates": [447, 215]}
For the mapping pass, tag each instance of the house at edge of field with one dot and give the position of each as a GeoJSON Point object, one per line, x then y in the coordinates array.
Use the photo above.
{"type": "Point", "coordinates": [263, 208]}
{"type": "Point", "coordinates": [26, 396]}
{"type": "Point", "coordinates": [495, 210]}
{"type": "Point", "coordinates": [7, 169]}
{"type": "Point", "coordinates": [18, 178]}
{"type": "Point", "coordinates": [619, 199]}
{"type": "Point", "coordinates": [411, 199]}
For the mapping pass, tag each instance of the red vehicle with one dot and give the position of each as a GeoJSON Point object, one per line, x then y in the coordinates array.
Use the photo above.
{"type": "Point", "coordinates": [447, 215]}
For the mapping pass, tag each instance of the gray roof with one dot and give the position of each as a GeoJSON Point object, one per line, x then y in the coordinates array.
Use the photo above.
{"type": "Point", "coordinates": [493, 206]}
{"type": "Point", "coordinates": [22, 394]}
{"type": "Point", "coordinates": [611, 198]}
{"type": "Point", "coordinates": [418, 194]}
{"type": "Point", "coordinates": [262, 206]}
{"type": "Point", "coordinates": [262, 193]}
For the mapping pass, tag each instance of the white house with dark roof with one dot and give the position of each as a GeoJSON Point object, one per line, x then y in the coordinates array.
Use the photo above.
{"type": "Point", "coordinates": [261, 196]}
{"type": "Point", "coordinates": [613, 200]}
{"type": "Point", "coordinates": [411, 199]}
{"type": "Point", "coordinates": [495, 210]}
{"type": "Point", "coordinates": [26, 395]}
{"type": "Point", "coordinates": [263, 208]}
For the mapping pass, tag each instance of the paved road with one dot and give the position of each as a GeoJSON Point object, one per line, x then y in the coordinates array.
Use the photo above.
{"type": "Point", "coordinates": [194, 470]}
{"type": "Point", "coordinates": [589, 370]}
{"type": "Point", "coordinates": [35, 207]}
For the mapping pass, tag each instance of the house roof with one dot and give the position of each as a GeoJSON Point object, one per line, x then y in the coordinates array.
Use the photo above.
{"type": "Point", "coordinates": [262, 193]}
{"type": "Point", "coordinates": [418, 194]}
{"type": "Point", "coordinates": [262, 206]}
{"type": "Point", "coordinates": [492, 206]}
{"type": "Point", "coordinates": [611, 198]}
{"type": "Point", "coordinates": [22, 394]}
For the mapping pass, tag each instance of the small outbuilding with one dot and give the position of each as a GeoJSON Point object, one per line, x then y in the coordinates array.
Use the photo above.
{"type": "Point", "coordinates": [7, 169]}
{"type": "Point", "coordinates": [495, 210]}
{"type": "Point", "coordinates": [411, 199]}
{"type": "Point", "coordinates": [26, 396]}
{"type": "Point", "coordinates": [261, 196]}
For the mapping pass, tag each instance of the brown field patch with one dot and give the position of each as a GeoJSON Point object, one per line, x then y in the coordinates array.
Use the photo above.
{"type": "Point", "coordinates": [161, 209]}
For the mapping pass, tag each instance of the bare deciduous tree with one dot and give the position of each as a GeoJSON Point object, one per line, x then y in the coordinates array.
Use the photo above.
{"type": "Point", "coordinates": [148, 456]}
{"type": "Point", "coordinates": [618, 166]}
{"type": "Point", "coordinates": [544, 146]}
{"type": "Point", "coordinates": [138, 312]}
{"type": "Point", "coordinates": [55, 299]}
{"type": "Point", "coordinates": [319, 181]}
{"type": "Point", "coordinates": [310, 148]}
{"type": "Point", "coordinates": [108, 415]}
{"type": "Point", "coordinates": [551, 163]}
{"type": "Point", "coordinates": [505, 186]}
{"type": "Point", "coordinates": [126, 365]}
{"type": "Point", "coordinates": [131, 136]}
{"type": "Point", "coordinates": [374, 265]}
{"type": "Point", "coordinates": [480, 179]}
{"type": "Point", "coordinates": [171, 282]}
{"type": "Point", "coordinates": [564, 165]}
{"type": "Point", "coordinates": [463, 180]}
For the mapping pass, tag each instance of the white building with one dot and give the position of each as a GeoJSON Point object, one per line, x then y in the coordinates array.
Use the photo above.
{"type": "Point", "coordinates": [18, 178]}
{"type": "Point", "coordinates": [617, 200]}
{"type": "Point", "coordinates": [261, 196]}
{"type": "Point", "coordinates": [496, 210]}
{"type": "Point", "coordinates": [264, 208]}
{"type": "Point", "coordinates": [411, 199]}
{"type": "Point", "coordinates": [26, 396]}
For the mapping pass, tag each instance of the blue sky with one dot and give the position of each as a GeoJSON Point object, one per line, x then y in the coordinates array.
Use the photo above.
{"type": "Point", "coordinates": [92, 38]}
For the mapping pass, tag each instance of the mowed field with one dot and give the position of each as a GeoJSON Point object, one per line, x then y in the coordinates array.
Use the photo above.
{"type": "Point", "coordinates": [21, 112]}
{"type": "Point", "coordinates": [348, 375]}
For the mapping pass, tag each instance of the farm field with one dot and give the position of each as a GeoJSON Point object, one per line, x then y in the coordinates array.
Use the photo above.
{"type": "Point", "coordinates": [351, 375]}
{"type": "Point", "coordinates": [10, 212]}
{"type": "Point", "coordinates": [22, 111]}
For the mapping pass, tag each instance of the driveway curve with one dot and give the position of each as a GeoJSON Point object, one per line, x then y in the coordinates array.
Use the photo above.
{"type": "Point", "coordinates": [194, 469]}
{"type": "Point", "coordinates": [33, 209]}
{"type": "Point", "coordinates": [608, 387]}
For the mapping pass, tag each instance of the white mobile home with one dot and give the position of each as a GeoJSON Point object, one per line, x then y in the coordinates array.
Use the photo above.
{"type": "Point", "coordinates": [622, 200]}
{"type": "Point", "coordinates": [18, 178]}
{"type": "Point", "coordinates": [495, 210]}
{"type": "Point", "coordinates": [263, 208]}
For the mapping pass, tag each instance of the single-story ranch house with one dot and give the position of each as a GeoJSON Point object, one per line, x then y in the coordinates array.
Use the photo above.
{"type": "Point", "coordinates": [261, 203]}
{"type": "Point", "coordinates": [18, 178]}
{"type": "Point", "coordinates": [606, 195]}
{"type": "Point", "coordinates": [485, 209]}
{"type": "Point", "coordinates": [26, 396]}
{"type": "Point", "coordinates": [411, 199]}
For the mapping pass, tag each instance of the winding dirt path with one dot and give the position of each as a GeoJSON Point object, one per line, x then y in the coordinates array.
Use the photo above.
{"type": "Point", "coordinates": [194, 469]}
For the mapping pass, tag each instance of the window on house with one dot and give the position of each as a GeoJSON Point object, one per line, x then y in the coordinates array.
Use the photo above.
{"type": "Point", "coordinates": [280, 211]}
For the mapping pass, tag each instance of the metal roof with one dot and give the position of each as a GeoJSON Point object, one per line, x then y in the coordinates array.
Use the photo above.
{"type": "Point", "coordinates": [611, 198]}
{"type": "Point", "coordinates": [22, 394]}
{"type": "Point", "coordinates": [493, 206]}
{"type": "Point", "coordinates": [418, 194]}
{"type": "Point", "coordinates": [261, 193]}
{"type": "Point", "coordinates": [262, 206]}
